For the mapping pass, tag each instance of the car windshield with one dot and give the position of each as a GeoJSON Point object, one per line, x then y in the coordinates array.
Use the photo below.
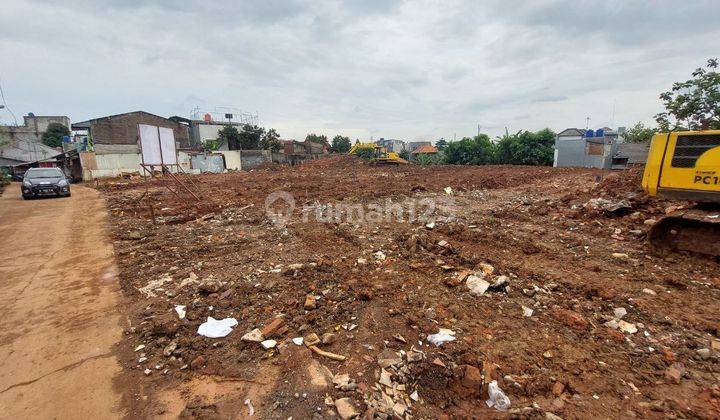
{"type": "Point", "coordinates": [43, 173]}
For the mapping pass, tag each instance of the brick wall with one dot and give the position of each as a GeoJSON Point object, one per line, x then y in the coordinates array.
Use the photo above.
{"type": "Point", "coordinates": [122, 129]}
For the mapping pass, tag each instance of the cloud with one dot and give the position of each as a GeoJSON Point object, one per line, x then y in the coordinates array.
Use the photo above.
{"type": "Point", "coordinates": [396, 69]}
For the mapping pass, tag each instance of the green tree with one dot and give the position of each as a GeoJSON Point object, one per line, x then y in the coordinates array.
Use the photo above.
{"type": "Point", "coordinates": [230, 135]}
{"type": "Point", "coordinates": [478, 150]}
{"type": "Point", "coordinates": [322, 139]}
{"type": "Point", "coordinates": [250, 137]}
{"type": "Point", "coordinates": [638, 133]}
{"type": "Point", "coordinates": [526, 148]}
{"type": "Point", "coordinates": [404, 154]}
{"type": "Point", "coordinates": [54, 134]}
{"type": "Point", "coordinates": [694, 103]}
{"type": "Point", "coordinates": [441, 144]}
{"type": "Point", "coordinates": [210, 145]}
{"type": "Point", "coordinates": [271, 141]}
{"type": "Point", "coordinates": [341, 144]}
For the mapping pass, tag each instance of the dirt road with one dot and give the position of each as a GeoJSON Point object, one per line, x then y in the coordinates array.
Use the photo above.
{"type": "Point", "coordinates": [59, 295]}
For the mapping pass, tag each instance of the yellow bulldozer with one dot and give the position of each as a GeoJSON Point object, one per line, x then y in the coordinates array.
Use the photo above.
{"type": "Point", "coordinates": [378, 154]}
{"type": "Point", "coordinates": [685, 165]}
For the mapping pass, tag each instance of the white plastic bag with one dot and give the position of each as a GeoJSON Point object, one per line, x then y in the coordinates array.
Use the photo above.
{"type": "Point", "coordinates": [214, 328]}
{"type": "Point", "coordinates": [497, 399]}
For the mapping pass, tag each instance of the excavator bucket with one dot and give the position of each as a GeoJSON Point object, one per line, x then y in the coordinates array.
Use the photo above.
{"type": "Point", "coordinates": [694, 231]}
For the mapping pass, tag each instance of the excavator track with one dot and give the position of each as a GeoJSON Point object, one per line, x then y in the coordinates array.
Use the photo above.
{"type": "Point", "coordinates": [695, 231]}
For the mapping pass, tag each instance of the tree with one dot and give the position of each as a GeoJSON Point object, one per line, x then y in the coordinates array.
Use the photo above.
{"type": "Point", "coordinates": [404, 154]}
{"type": "Point", "coordinates": [526, 148]}
{"type": "Point", "coordinates": [250, 137]}
{"type": "Point", "coordinates": [441, 144]}
{"type": "Point", "coordinates": [694, 103]}
{"type": "Point", "coordinates": [638, 133]}
{"type": "Point", "coordinates": [53, 136]}
{"type": "Point", "coordinates": [230, 135]}
{"type": "Point", "coordinates": [340, 144]}
{"type": "Point", "coordinates": [210, 145]}
{"type": "Point", "coordinates": [478, 150]}
{"type": "Point", "coordinates": [321, 139]}
{"type": "Point", "coordinates": [271, 140]}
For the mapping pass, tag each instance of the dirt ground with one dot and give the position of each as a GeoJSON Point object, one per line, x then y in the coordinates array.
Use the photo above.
{"type": "Point", "coordinates": [578, 318]}
{"type": "Point", "coordinates": [60, 301]}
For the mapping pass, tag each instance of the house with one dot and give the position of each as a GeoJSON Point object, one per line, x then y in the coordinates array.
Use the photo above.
{"type": "Point", "coordinates": [112, 145]}
{"type": "Point", "coordinates": [411, 146]}
{"type": "Point", "coordinates": [425, 149]}
{"type": "Point", "coordinates": [586, 148]}
{"type": "Point", "coordinates": [206, 129]}
{"type": "Point", "coordinates": [34, 126]}
{"type": "Point", "coordinates": [19, 151]}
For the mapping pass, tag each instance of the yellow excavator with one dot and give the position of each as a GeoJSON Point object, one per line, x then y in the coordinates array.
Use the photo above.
{"type": "Point", "coordinates": [377, 153]}
{"type": "Point", "coordinates": [685, 165]}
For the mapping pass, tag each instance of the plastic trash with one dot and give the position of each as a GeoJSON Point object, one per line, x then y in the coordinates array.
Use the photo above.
{"type": "Point", "coordinates": [213, 328]}
{"type": "Point", "coordinates": [497, 399]}
{"type": "Point", "coordinates": [443, 336]}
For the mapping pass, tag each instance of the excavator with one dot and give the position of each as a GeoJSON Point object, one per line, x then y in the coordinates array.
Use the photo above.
{"type": "Point", "coordinates": [378, 154]}
{"type": "Point", "coordinates": [685, 165]}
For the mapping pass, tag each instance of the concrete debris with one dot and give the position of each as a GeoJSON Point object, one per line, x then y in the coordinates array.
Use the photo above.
{"type": "Point", "coordinates": [627, 327]}
{"type": "Point", "coordinates": [181, 311]}
{"type": "Point", "coordinates": [268, 344]}
{"type": "Point", "coordinates": [477, 285]}
{"type": "Point", "coordinates": [345, 408]}
{"type": "Point", "coordinates": [298, 341]}
{"type": "Point", "coordinates": [619, 313]}
{"type": "Point", "coordinates": [254, 336]}
{"type": "Point", "coordinates": [527, 312]}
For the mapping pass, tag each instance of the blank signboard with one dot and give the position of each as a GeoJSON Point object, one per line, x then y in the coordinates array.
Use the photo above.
{"type": "Point", "coordinates": [158, 145]}
{"type": "Point", "coordinates": [167, 146]}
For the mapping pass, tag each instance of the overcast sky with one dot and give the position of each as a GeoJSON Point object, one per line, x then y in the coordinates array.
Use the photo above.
{"type": "Point", "coordinates": [410, 70]}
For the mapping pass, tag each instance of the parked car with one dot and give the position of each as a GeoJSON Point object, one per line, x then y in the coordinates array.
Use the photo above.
{"type": "Point", "coordinates": [39, 182]}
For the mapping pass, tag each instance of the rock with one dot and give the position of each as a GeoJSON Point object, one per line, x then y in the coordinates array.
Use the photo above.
{"type": "Point", "coordinates": [558, 388]}
{"type": "Point", "coordinates": [147, 371]}
{"type": "Point", "coordinates": [649, 222]}
{"type": "Point", "coordinates": [388, 358]}
{"type": "Point", "coordinates": [443, 243]}
{"type": "Point", "coordinates": [619, 313]}
{"type": "Point", "coordinates": [197, 362]}
{"type": "Point", "coordinates": [272, 327]}
{"type": "Point", "coordinates": [477, 285]}
{"type": "Point", "coordinates": [210, 285]}
{"type": "Point", "coordinates": [328, 338]}
{"type": "Point", "coordinates": [295, 267]}
{"type": "Point", "coordinates": [169, 349]}
{"type": "Point", "coordinates": [649, 292]}
{"type": "Point", "coordinates": [552, 416]}
{"type": "Point", "coordinates": [501, 283]}
{"type": "Point", "coordinates": [298, 341]}
{"type": "Point", "coordinates": [311, 339]}
{"type": "Point", "coordinates": [414, 396]}
{"type": "Point", "coordinates": [399, 409]}
{"type": "Point", "coordinates": [413, 356]}
{"type": "Point", "coordinates": [385, 378]}
{"type": "Point", "coordinates": [620, 255]}
{"type": "Point", "coordinates": [140, 347]}
{"type": "Point", "coordinates": [345, 408]}
{"type": "Point", "coordinates": [310, 302]}
{"type": "Point", "coordinates": [612, 324]}
{"type": "Point", "coordinates": [627, 327]}
{"type": "Point", "coordinates": [527, 312]}
{"type": "Point", "coordinates": [715, 344]}
{"type": "Point", "coordinates": [571, 318]}
{"type": "Point", "coordinates": [254, 336]}
{"type": "Point", "coordinates": [430, 225]}
{"type": "Point", "coordinates": [471, 377]}
{"type": "Point", "coordinates": [341, 380]}
{"type": "Point", "coordinates": [268, 344]}
{"type": "Point", "coordinates": [675, 373]}
{"type": "Point", "coordinates": [380, 256]}
{"type": "Point", "coordinates": [703, 353]}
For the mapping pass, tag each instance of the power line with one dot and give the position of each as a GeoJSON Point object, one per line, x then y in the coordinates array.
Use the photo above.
{"type": "Point", "coordinates": [2, 96]}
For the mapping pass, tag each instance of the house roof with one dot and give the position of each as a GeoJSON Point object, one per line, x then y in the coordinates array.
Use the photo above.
{"type": "Point", "coordinates": [425, 148]}
{"type": "Point", "coordinates": [88, 123]}
{"type": "Point", "coordinates": [27, 151]}
{"type": "Point", "coordinates": [571, 132]}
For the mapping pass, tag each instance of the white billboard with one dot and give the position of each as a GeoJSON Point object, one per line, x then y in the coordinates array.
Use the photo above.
{"type": "Point", "coordinates": [157, 145]}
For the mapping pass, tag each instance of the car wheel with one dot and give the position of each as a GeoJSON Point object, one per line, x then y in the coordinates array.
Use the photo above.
{"type": "Point", "coordinates": [25, 197]}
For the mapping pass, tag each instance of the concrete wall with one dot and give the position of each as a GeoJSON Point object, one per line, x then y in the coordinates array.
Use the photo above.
{"type": "Point", "coordinates": [208, 163]}
{"type": "Point", "coordinates": [233, 162]}
{"type": "Point", "coordinates": [570, 151]}
{"type": "Point", "coordinates": [250, 159]}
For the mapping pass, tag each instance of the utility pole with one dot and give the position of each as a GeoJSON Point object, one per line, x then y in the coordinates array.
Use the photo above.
{"type": "Point", "coordinates": [587, 123]}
